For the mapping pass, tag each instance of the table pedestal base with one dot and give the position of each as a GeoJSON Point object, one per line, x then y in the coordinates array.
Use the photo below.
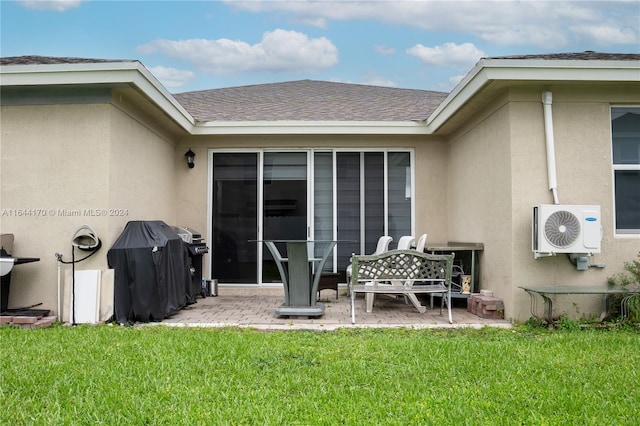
{"type": "Point", "coordinates": [310, 311]}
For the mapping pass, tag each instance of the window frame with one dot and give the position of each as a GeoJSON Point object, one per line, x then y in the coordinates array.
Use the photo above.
{"type": "Point", "coordinates": [408, 190]}
{"type": "Point", "coordinates": [620, 167]}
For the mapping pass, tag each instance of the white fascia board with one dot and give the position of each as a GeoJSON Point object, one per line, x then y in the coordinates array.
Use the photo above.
{"type": "Point", "coordinates": [161, 97]}
{"type": "Point", "coordinates": [530, 70]}
{"type": "Point", "coordinates": [468, 86]}
{"type": "Point", "coordinates": [103, 73]}
{"type": "Point", "coordinates": [310, 128]}
{"type": "Point", "coordinates": [596, 71]}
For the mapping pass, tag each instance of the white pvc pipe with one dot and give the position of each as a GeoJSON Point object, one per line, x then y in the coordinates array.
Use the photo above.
{"type": "Point", "coordinates": [547, 99]}
{"type": "Point", "coordinates": [58, 313]}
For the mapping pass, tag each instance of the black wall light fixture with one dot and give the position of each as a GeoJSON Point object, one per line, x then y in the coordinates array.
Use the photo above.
{"type": "Point", "coordinates": [190, 158]}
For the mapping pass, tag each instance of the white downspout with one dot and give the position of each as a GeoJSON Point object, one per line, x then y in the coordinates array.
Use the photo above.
{"type": "Point", "coordinates": [547, 99]}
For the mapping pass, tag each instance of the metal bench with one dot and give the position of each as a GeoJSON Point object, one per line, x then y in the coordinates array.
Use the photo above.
{"type": "Point", "coordinates": [402, 272]}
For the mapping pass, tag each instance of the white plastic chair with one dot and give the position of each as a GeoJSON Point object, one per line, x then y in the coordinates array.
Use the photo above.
{"type": "Point", "coordinates": [404, 243]}
{"type": "Point", "coordinates": [381, 247]}
{"type": "Point", "coordinates": [383, 244]}
{"type": "Point", "coordinates": [420, 245]}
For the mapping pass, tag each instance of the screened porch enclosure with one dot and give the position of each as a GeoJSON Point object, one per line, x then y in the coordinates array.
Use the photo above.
{"type": "Point", "coordinates": [350, 196]}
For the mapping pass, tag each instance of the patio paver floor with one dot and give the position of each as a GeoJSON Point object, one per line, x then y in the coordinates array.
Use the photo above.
{"type": "Point", "coordinates": [255, 308]}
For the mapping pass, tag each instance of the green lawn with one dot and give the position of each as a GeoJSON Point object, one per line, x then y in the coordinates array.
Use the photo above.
{"type": "Point", "coordinates": [176, 376]}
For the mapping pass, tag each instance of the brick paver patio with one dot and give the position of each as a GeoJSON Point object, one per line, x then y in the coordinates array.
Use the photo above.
{"type": "Point", "coordinates": [255, 308]}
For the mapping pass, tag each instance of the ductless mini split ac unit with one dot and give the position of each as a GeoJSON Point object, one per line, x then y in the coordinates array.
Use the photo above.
{"type": "Point", "coordinates": [561, 228]}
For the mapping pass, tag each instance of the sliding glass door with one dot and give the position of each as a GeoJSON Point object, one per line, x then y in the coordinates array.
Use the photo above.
{"type": "Point", "coordinates": [285, 200]}
{"type": "Point", "coordinates": [373, 199]}
{"type": "Point", "coordinates": [323, 200]}
{"type": "Point", "coordinates": [234, 219]}
{"type": "Point", "coordinates": [352, 196]}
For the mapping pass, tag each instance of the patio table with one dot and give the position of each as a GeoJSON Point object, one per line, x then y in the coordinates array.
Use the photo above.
{"type": "Point", "coordinates": [300, 271]}
{"type": "Point", "coordinates": [546, 291]}
{"type": "Point", "coordinates": [455, 247]}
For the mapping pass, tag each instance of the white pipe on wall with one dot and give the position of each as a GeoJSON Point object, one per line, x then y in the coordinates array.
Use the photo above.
{"type": "Point", "coordinates": [58, 312]}
{"type": "Point", "coordinates": [547, 99]}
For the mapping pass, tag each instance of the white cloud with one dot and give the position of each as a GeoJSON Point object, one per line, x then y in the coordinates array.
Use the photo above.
{"type": "Point", "coordinates": [172, 77]}
{"type": "Point", "coordinates": [449, 84]}
{"type": "Point", "coordinates": [605, 34]}
{"type": "Point", "coordinates": [526, 35]}
{"type": "Point", "coordinates": [57, 5]}
{"type": "Point", "coordinates": [462, 56]}
{"type": "Point", "coordinates": [454, 80]}
{"type": "Point", "coordinates": [384, 50]}
{"type": "Point", "coordinates": [370, 79]}
{"type": "Point", "coordinates": [279, 50]}
{"type": "Point", "coordinates": [373, 79]}
{"type": "Point", "coordinates": [316, 22]}
{"type": "Point", "coordinates": [545, 24]}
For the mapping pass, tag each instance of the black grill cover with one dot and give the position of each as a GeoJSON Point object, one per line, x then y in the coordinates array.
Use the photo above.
{"type": "Point", "coordinates": [152, 277]}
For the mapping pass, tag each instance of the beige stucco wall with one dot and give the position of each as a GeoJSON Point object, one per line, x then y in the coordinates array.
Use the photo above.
{"type": "Point", "coordinates": [52, 178]}
{"type": "Point", "coordinates": [64, 166]}
{"type": "Point", "coordinates": [479, 206]}
{"type": "Point", "coordinates": [142, 173]}
{"type": "Point", "coordinates": [505, 149]}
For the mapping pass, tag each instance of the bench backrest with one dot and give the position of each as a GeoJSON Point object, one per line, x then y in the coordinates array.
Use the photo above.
{"type": "Point", "coordinates": [402, 265]}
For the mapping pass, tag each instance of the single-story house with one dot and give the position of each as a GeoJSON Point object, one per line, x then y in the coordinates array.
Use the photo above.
{"type": "Point", "coordinates": [101, 143]}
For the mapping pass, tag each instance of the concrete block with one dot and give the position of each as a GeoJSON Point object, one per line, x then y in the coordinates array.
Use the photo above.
{"type": "Point", "coordinates": [6, 319]}
{"type": "Point", "coordinates": [488, 307]}
{"type": "Point", "coordinates": [19, 319]}
{"type": "Point", "coordinates": [44, 322]}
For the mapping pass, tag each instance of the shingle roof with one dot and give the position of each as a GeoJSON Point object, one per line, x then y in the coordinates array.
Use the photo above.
{"type": "Point", "coordinates": [51, 60]}
{"type": "Point", "coordinates": [588, 55]}
{"type": "Point", "coordinates": [309, 100]}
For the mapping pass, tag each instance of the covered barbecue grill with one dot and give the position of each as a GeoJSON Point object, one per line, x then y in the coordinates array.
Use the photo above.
{"type": "Point", "coordinates": [197, 248]}
{"type": "Point", "coordinates": [152, 279]}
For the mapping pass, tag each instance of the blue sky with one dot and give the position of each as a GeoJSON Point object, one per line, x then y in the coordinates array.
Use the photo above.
{"type": "Point", "coordinates": [197, 45]}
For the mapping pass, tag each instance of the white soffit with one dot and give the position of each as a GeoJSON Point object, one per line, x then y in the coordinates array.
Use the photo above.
{"type": "Point", "coordinates": [487, 70]}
